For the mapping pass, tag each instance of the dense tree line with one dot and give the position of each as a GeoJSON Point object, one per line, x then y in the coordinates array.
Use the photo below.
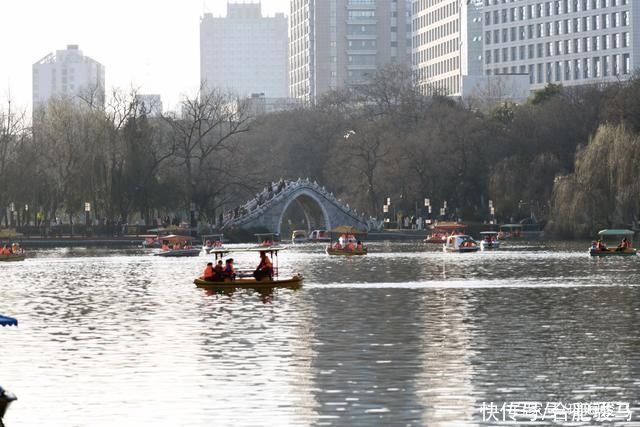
{"type": "Point", "coordinates": [386, 141]}
{"type": "Point", "coordinates": [567, 157]}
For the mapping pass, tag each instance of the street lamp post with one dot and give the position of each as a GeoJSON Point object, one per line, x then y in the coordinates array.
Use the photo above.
{"type": "Point", "coordinates": [492, 213]}
{"type": "Point", "coordinates": [87, 214]}
{"type": "Point", "coordinates": [192, 219]}
{"type": "Point", "coordinates": [12, 210]}
{"type": "Point", "coordinates": [427, 206]}
{"type": "Point", "coordinates": [26, 214]}
{"type": "Point", "coordinates": [385, 210]}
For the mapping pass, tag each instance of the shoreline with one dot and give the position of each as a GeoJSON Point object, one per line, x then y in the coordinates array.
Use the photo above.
{"type": "Point", "coordinates": [134, 241]}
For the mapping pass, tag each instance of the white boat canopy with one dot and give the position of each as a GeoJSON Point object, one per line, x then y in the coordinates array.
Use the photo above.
{"type": "Point", "coordinates": [615, 232]}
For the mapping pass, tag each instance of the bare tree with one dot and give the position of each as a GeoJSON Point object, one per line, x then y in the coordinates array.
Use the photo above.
{"type": "Point", "coordinates": [12, 132]}
{"type": "Point", "coordinates": [206, 129]}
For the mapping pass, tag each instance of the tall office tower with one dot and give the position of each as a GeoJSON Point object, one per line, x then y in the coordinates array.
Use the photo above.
{"type": "Point", "coordinates": [340, 43]}
{"type": "Point", "coordinates": [245, 52]}
{"type": "Point", "coordinates": [569, 42]}
{"type": "Point", "coordinates": [68, 73]}
{"type": "Point", "coordinates": [447, 44]}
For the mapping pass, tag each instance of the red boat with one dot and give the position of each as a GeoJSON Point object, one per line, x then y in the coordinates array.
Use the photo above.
{"type": "Point", "coordinates": [441, 230]}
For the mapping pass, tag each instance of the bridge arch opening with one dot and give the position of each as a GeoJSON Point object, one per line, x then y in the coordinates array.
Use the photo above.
{"type": "Point", "coordinates": [303, 212]}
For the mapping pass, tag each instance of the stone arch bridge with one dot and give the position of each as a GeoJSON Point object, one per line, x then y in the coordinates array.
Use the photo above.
{"type": "Point", "coordinates": [320, 207]}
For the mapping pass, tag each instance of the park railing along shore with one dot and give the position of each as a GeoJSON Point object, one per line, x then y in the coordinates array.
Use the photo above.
{"type": "Point", "coordinates": [61, 231]}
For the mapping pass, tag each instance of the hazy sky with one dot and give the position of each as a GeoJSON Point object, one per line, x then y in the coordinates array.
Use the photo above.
{"type": "Point", "coordinates": [150, 44]}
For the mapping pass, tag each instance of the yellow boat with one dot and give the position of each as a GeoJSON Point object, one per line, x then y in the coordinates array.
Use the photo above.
{"type": "Point", "coordinates": [345, 252]}
{"type": "Point", "coordinates": [598, 251]}
{"type": "Point", "coordinates": [11, 258]}
{"type": "Point", "coordinates": [347, 235]}
{"type": "Point", "coordinates": [294, 282]}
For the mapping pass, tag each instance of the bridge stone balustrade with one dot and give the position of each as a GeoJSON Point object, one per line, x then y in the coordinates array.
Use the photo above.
{"type": "Point", "coordinates": [320, 207]}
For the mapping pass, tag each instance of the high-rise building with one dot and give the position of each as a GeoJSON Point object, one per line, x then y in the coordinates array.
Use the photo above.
{"type": "Point", "coordinates": [523, 42]}
{"type": "Point", "coordinates": [244, 52]}
{"type": "Point", "coordinates": [68, 73]}
{"type": "Point", "coordinates": [568, 42]}
{"type": "Point", "coordinates": [340, 43]}
{"type": "Point", "coordinates": [447, 44]}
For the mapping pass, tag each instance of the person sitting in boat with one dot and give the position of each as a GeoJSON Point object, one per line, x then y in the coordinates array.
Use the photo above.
{"type": "Point", "coordinates": [266, 242]}
{"type": "Point", "coordinates": [15, 248]}
{"type": "Point", "coordinates": [165, 246]}
{"type": "Point", "coordinates": [5, 251]}
{"type": "Point", "coordinates": [624, 244]}
{"type": "Point", "coordinates": [601, 246]}
{"type": "Point", "coordinates": [359, 246]}
{"type": "Point", "coordinates": [186, 245]}
{"type": "Point", "coordinates": [594, 245]}
{"type": "Point", "coordinates": [207, 244]}
{"type": "Point", "coordinates": [209, 274]}
{"type": "Point", "coordinates": [229, 270]}
{"type": "Point", "coordinates": [218, 244]}
{"type": "Point", "coordinates": [176, 246]}
{"type": "Point", "coordinates": [218, 272]}
{"type": "Point", "coordinates": [337, 246]}
{"type": "Point", "coordinates": [265, 268]}
{"type": "Point", "coordinates": [350, 246]}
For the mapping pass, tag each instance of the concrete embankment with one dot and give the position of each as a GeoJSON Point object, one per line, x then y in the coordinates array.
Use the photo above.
{"type": "Point", "coordinates": [70, 241]}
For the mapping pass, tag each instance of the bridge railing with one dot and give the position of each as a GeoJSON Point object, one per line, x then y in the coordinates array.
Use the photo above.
{"type": "Point", "coordinates": [277, 191]}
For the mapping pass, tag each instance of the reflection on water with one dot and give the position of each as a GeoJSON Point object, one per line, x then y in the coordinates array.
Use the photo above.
{"type": "Point", "coordinates": [405, 336]}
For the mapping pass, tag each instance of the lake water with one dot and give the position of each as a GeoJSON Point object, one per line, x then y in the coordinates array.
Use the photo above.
{"type": "Point", "coordinates": [406, 336]}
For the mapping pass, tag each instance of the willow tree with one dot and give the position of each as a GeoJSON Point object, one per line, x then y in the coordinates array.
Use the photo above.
{"type": "Point", "coordinates": [604, 190]}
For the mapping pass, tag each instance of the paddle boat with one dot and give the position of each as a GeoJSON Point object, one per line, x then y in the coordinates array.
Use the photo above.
{"type": "Point", "coordinates": [177, 246]}
{"type": "Point", "coordinates": [489, 240]}
{"type": "Point", "coordinates": [460, 243]}
{"type": "Point", "coordinates": [13, 257]}
{"type": "Point", "coordinates": [8, 321]}
{"type": "Point", "coordinates": [299, 236]}
{"type": "Point", "coordinates": [347, 244]}
{"type": "Point", "coordinates": [245, 277]}
{"type": "Point", "coordinates": [319, 236]}
{"type": "Point", "coordinates": [6, 397]}
{"type": "Point", "coordinates": [212, 244]}
{"type": "Point", "coordinates": [510, 231]}
{"type": "Point", "coordinates": [153, 239]}
{"type": "Point", "coordinates": [150, 241]}
{"type": "Point", "coordinates": [441, 230]}
{"type": "Point", "coordinates": [268, 240]}
{"type": "Point", "coordinates": [624, 248]}
{"type": "Point", "coordinates": [294, 282]}
{"type": "Point", "coordinates": [10, 250]}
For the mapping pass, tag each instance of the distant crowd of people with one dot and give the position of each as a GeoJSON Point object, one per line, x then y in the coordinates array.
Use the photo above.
{"type": "Point", "coordinates": [271, 190]}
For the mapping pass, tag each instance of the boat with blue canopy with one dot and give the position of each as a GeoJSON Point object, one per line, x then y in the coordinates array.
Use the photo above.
{"type": "Point", "coordinates": [8, 321]}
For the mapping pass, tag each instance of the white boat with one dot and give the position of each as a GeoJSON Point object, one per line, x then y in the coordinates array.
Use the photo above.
{"type": "Point", "coordinates": [299, 236]}
{"type": "Point", "coordinates": [319, 236]}
{"type": "Point", "coordinates": [212, 243]}
{"type": "Point", "coordinates": [460, 243]}
{"type": "Point", "coordinates": [489, 240]}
